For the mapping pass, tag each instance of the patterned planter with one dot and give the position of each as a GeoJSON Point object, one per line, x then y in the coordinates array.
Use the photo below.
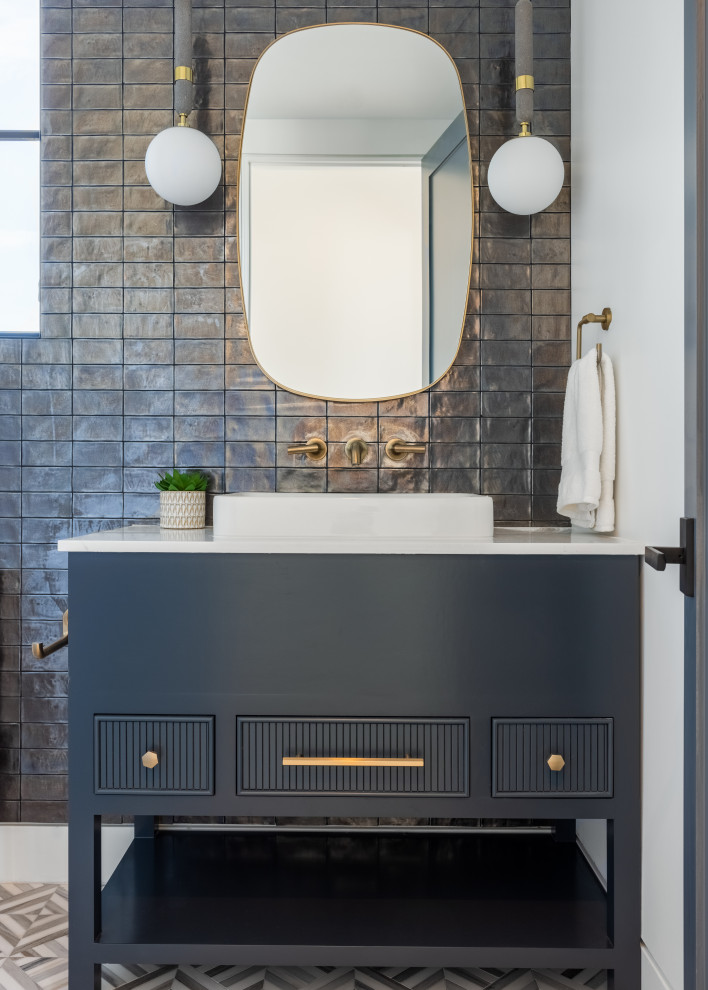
{"type": "Point", "coordinates": [182, 510]}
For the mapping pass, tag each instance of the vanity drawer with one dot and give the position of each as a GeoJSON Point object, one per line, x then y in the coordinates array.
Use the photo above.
{"type": "Point", "coordinates": [184, 747]}
{"type": "Point", "coordinates": [581, 749]}
{"type": "Point", "coordinates": [351, 756]}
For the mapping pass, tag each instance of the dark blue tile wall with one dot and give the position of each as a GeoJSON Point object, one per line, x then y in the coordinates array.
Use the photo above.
{"type": "Point", "coordinates": [144, 363]}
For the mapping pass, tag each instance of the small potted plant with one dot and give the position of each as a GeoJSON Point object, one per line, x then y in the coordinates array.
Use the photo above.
{"type": "Point", "coordinates": [182, 499]}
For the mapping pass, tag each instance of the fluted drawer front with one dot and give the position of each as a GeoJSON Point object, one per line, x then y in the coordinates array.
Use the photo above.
{"type": "Point", "coordinates": [183, 746]}
{"type": "Point", "coordinates": [582, 748]}
{"type": "Point", "coordinates": [441, 745]}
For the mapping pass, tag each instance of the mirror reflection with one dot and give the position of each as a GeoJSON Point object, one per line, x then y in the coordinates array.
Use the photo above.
{"type": "Point", "coordinates": [355, 211]}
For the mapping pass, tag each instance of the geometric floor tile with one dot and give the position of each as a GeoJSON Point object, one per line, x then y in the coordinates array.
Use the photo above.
{"type": "Point", "coordinates": [146, 977]}
{"type": "Point", "coordinates": [328, 978]}
{"type": "Point", "coordinates": [26, 973]}
{"type": "Point", "coordinates": [34, 955]}
{"type": "Point", "coordinates": [48, 935]}
{"type": "Point", "coordinates": [20, 905]}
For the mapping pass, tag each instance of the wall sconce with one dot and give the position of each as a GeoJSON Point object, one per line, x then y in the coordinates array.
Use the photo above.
{"type": "Point", "coordinates": [526, 173]}
{"type": "Point", "coordinates": [183, 165]}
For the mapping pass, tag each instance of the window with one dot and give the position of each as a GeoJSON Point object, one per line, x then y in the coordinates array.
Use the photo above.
{"type": "Point", "coordinates": [19, 168]}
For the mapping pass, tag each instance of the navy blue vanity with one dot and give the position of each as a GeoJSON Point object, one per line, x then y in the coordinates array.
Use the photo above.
{"type": "Point", "coordinates": [501, 682]}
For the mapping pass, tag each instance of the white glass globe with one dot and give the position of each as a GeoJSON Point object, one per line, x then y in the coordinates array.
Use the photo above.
{"type": "Point", "coordinates": [525, 175]}
{"type": "Point", "coordinates": [183, 165]}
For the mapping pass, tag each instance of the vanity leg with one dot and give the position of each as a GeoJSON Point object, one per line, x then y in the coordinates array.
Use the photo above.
{"type": "Point", "coordinates": [628, 977]}
{"type": "Point", "coordinates": [85, 893]}
{"type": "Point", "coordinates": [624, 902]}
{"type": "Point", "coordinates": [84, 976]}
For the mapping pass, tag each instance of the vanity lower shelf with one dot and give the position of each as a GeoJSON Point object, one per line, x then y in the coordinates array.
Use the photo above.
{"type": "Point", "coordinates": [343, 899]}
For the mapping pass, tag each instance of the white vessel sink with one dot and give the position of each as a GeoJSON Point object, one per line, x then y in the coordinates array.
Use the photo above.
{"type": "Point", "coordinates": [395, 516]}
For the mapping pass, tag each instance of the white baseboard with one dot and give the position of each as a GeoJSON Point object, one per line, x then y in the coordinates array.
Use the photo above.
{"type": "Point", "coordinates": [39, 853]}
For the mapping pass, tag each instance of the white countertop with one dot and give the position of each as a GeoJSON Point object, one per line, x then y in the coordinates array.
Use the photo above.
{"type": "Point", "coordinates": [512, 540]}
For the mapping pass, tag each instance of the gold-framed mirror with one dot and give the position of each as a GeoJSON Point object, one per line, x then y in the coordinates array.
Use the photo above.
{"type": "Point", "coordinates": [355, 211]}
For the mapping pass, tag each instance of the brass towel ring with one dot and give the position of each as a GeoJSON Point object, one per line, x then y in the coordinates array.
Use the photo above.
{"type": "Point", "coordinates": [604, 319]}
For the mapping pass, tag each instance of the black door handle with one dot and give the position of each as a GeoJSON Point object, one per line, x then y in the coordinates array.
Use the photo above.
{"type": "Point", "coordinates": [684, 556]}
{"type": "Point", "coordinates": [659, 557]}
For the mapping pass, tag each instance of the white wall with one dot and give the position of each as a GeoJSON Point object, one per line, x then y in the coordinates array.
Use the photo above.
{"type": "Point", "coordinates": [652, 978]}
{"type": "Point", "coordinates": [627, 249]}
{"type": "Point", "coordinates": [40, 853]}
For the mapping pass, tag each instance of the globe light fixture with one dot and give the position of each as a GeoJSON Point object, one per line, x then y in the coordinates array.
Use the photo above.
{"type": "Point", "coordinates": [183, 165]}
{"type": "Point", "coordinates": [526, 174]}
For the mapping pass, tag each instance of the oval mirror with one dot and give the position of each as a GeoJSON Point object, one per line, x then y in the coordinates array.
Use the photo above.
{"type": "Point", "coordinates": [355, 211]}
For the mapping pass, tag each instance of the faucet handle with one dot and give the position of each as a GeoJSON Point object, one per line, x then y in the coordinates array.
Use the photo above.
{"type": "Point", "coordinates": [397, 449]}
{"type": "Point", "coordinates": [315, 449]}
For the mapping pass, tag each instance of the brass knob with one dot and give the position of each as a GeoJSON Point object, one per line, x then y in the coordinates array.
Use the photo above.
{"type": "Point", "coordinates": [555, 762]}
{"type": "Point", "coordinates": [315, 449]}
{"type": "Point", "coordinates": [150, 759]}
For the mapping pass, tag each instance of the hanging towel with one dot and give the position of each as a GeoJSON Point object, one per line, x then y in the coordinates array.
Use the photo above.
{"type": "Point", "coordinates": [605, 514]}
{"type": "Point", "coordinates": [587, 477]}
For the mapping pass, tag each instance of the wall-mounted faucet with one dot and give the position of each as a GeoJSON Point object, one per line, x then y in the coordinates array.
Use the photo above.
{"type": "Point", "coordinates": [355, 450]}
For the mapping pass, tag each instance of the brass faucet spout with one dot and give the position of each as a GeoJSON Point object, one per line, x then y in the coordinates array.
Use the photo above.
{"type": "Point", "coordinates": [355, 450]}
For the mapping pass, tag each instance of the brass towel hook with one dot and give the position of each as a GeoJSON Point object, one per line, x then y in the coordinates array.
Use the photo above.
{"type": "Point", "coordinates": [40, 651]}
{"type": "Point", "coordinates": [604, 319]}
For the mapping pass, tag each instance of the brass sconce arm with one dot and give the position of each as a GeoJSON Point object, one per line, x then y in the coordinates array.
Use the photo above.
{"type": "Point", "coordinates": [315, 449]}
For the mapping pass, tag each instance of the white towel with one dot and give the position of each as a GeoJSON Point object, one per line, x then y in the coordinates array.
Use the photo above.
{"type": "Point", "coordinates": [605, 514]}
{"type": "Point", "coordinates": [588, 445]}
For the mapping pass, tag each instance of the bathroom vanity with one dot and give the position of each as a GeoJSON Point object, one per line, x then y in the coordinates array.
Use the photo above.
{"type": "Point", "coordinates": [496, 678]}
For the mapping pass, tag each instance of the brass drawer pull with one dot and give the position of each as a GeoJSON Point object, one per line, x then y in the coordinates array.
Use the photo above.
{"type": "Point", "coordinates": [555, 762]}
{"type": "Point", "coordinates": [150, 759]}
{"type": "Point", "coordinates": [352, 761]}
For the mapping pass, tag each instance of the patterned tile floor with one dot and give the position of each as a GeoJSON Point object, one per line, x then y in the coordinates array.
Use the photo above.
{"type": "Point", "coordinates": [34, 954]}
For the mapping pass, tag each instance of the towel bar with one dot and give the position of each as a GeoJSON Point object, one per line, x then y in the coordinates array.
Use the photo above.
{"type": "Point", "coordinates": [604, 319]}
{"type": "Point", "coordinates": [40, 651]}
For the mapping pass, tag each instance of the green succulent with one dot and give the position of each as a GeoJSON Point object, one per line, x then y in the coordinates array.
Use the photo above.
{"type": "Point", "coordinates": [189, 481]}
